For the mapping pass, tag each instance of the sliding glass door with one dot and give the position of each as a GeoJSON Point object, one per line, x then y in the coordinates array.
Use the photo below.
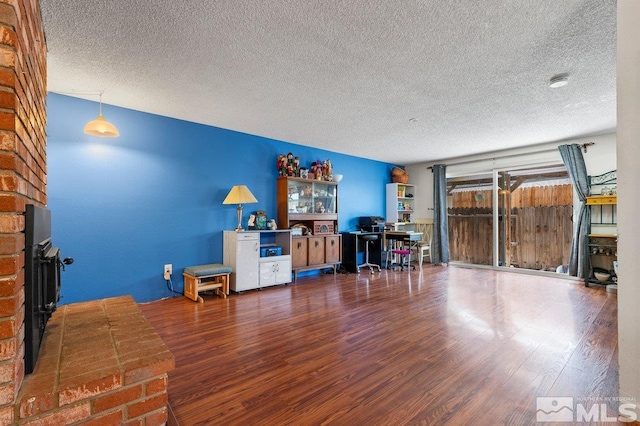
{"type": "Point", "coordinates": [470, 209]}
{"type": "Point", "coordinates": [519, 218]}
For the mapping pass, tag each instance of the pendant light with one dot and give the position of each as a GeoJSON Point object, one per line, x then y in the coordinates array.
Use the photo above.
{"type": "Point", "coordinates": [101, 127]}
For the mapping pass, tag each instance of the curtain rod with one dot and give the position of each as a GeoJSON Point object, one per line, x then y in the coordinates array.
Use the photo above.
{"type": "Point", "coordinates": [584, 147]}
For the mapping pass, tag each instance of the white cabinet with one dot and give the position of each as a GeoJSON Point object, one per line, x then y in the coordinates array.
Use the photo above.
{"type": "Point", "coordinates": [242, 253]}
{"type": "Point", "coordinates": [400, 203]}
{"type": "Point", "coordinates": [275, 272]}
{"type": "Point", "coordinates": [250, 271]}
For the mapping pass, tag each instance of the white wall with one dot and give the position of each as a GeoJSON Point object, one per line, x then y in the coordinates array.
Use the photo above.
{"type": "Point", "coordinates": [422, 178]}
{"type": "Point", "coordinates": [600, 158]}
{"type": "Point", "coordinates": [629, 198]}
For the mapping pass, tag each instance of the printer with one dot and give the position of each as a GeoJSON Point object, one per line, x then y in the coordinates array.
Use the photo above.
{"type": "Point", "coordinates": [371, 223]}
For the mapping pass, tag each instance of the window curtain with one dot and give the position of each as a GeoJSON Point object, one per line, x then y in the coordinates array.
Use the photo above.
{"type": "Point", "coordinates": [574, 163]}
{"type": "Point", "coordinates": [440, 243]}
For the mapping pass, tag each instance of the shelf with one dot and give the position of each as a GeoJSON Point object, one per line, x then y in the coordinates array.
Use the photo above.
{"type": "Point", "coordinates": [400, 202]}
{"type": "Point", "coordinates": [598, 282]}
{"type": "Point", "coordinates": [312, 216]}
{"type": "Point", "coordinates": [274, 258]}
{"type": "Point", "coordinates": [266, 231]}
{"type": "Point", "coordinates": [601, 199]}
{"type": "Point", "coordinates": [604, 239]}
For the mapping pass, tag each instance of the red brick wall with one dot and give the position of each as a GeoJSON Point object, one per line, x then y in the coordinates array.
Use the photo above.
{"type": "Point", "coordinates": [22, 174]}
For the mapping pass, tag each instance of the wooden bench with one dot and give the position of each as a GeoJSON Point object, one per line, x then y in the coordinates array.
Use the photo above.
{"type": "Point", "coordinates": [201, 278]}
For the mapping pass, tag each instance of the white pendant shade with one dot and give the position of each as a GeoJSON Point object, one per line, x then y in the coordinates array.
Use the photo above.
{"type": "Point", "coordinates": [102, 128]}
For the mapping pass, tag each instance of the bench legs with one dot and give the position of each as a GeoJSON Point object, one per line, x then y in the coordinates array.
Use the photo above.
{"type": "Point", "coordinates": [194, 285]}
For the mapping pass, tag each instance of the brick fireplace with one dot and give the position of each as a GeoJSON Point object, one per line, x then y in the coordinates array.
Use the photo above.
{"type": "Point", "coordinates": [23, 177]}
{"type": "Point", "coordinates": [101, 362]}
{"type": "Point", "coordinates": [122, 378]}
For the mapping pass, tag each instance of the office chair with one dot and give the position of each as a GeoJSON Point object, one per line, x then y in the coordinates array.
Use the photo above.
{"type": "Point", "coordinates": [368, 239]}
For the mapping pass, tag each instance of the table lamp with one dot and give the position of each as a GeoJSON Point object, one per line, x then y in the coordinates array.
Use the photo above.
{"type": "Point", "coordinates": [239, 195]}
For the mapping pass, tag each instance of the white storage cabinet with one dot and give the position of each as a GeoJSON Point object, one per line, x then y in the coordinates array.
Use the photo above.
{"type": "Point", "coordinates": [250, 271]}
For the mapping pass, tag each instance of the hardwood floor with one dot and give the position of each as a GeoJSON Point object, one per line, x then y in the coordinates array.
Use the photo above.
{"type": "Point", "coordinates": [441, 345]}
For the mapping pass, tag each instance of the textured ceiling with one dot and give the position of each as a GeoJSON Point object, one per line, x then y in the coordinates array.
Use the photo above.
{"type": "Point", "coordinates": [397, 81]}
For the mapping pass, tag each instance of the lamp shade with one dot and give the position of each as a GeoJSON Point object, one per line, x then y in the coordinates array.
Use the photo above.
{"type": "Point", "coordinates": [101, 127]}
{"type": "Point", "coordinates": [239, 194]}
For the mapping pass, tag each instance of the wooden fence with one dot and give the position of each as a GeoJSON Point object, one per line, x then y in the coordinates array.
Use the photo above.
{"type": "Point", "coordinates": [471, 235]}
{"type": "Point", "coordinates": [534, 196]}
{"type": "Point", "coordinates": [540, 236]}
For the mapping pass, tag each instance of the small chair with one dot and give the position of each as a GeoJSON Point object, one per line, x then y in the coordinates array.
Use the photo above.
{"type": "Point", "coordinates": [425, 250]}
{"type": "Point", "coordinates": [368, 239]}
{"type": "Point", "coordinates": [424, 246]}
{"type": "Point", "coordinates": [405, 258]}
{"type": "Point", "coordinates": [213, 276]}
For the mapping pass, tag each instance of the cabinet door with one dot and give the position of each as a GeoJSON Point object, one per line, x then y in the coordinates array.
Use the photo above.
{"type": "Point", "coordinates": [283, 272]}
{"type": "Point", "coordinates": [333, 249]}
{"type": "Point", "coordinates": [316, 250]}
{"type": "Point", "coordinates": [267, 273]}
{"type": "Point", "coordinates": [247, 258]}
{"type": "Point", "coordinates": [299, 252]}
{"type": "Point", "coordinates": [324, 196]}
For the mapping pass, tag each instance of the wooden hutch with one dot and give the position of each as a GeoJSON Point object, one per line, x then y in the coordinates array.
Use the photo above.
{"type": "Point", "coordinates": [310, 209]}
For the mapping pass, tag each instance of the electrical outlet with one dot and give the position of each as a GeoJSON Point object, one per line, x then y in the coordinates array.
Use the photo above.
{"type": "Point", "coordinates": [168, 270]}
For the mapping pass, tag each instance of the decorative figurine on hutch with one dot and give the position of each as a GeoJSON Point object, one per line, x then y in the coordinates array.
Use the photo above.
{"type": "Point", "coordinates": [282, 164]}
{"type": "Point", "coordinates": [290, 165]}
{"type": "Point", "coordinates": [261, 219]}
{"type": "Point", "coordinates": [327, 170]}
{"type": "Point", "coordinates": [312, 171]}
{"type": "Point", "coordinates": [296, 166]}
{"type": "Point", "coordinates": [251, 223]}
{"type": "Point", "coordinates": [319, 170]}
{"type": "Point", "coordinates": [272, 225]}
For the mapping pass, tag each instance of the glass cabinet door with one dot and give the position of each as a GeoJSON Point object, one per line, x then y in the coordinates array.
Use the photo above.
{"type": "Point", "coordinates": [311, 197]}
{"type": "Point", "coordinates": [300, 196]}
{"type": "Point", "coordinates": [324, 198]}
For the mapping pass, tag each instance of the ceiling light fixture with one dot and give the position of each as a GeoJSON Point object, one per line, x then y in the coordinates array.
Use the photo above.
{"type": "Point", "coordinates": [559, 81]}
{"type": "Point", "coordinates": [100, 126]}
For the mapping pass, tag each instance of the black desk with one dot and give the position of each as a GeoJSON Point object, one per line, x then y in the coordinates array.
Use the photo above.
{"type": "Point", "coordinates": [352, 244]}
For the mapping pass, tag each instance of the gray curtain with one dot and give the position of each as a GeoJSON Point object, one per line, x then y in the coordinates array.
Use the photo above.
{"type": "Point", "coordinates": [440, 243]}
{"type": "Point", "coordinates": [574, 162]}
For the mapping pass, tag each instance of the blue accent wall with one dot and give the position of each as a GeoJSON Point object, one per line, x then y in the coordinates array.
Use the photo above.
{"type": "Point", "coordinates": [123, 207]}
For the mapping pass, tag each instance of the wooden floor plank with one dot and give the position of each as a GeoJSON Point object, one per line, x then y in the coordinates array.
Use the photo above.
{"type": "Point", "coordinates": [439, 345]}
